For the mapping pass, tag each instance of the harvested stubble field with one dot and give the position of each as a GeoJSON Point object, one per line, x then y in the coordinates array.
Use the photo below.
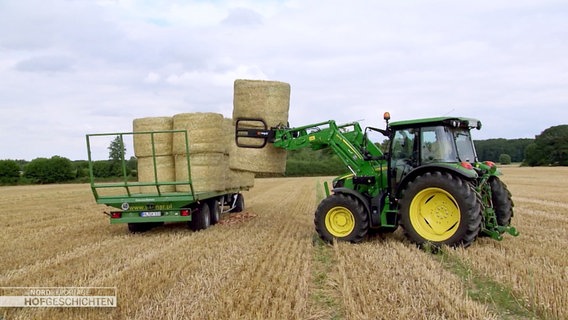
{"type": "Point", "coordinates": [267, 264]}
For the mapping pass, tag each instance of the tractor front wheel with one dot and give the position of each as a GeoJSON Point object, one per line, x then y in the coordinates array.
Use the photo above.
{"type": "Point", "coordinates": [440, 209]}
{"type": "Point", "coordinates": [502, 202]}
{"type": "Point", "coordinates": [341, 217]}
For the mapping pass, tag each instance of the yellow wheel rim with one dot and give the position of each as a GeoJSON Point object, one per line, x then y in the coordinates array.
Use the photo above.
{"type": "Point", "coordinates": [339, 222]}
{"type": "Point", "coordinates": [434, 214]}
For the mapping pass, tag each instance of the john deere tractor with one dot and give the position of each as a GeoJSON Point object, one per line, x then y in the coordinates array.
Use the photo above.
{"type": "Point", "coordinates": [429, 181]}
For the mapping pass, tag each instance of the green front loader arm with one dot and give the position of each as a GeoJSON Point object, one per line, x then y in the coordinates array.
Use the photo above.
{"type": "Point", "coordinates": [347, 144]}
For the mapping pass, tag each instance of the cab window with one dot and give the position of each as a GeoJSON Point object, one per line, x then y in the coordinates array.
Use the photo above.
{"type": "Point", "coordinates": [437, 145]}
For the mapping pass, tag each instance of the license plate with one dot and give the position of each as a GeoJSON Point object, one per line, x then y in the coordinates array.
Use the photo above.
{"type": "Point", "coordinates": [150, 214]}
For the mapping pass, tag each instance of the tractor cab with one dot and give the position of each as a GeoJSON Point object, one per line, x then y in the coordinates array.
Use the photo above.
{"type": "Point", "coordinates": [428, 142]}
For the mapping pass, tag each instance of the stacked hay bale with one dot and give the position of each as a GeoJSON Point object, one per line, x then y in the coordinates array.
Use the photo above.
{"type": "Point", "coordinates": [268, 100]}
{"type": "Point", "coordinates": [162, 149]}
{"type": "Point", "coordinates": [207, 147]}
{"type": "Point", "coordinates": [235, 178]}
{"type": "Point", "coordinates": [211, 157]}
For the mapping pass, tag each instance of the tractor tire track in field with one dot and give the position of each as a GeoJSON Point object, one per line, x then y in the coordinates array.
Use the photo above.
{"type": "Point", "coordinates": [542, 203]}
{"type": "Point", "coordinates": [272, 282]}
{"type": "Point", "coordinates": [390, 279]}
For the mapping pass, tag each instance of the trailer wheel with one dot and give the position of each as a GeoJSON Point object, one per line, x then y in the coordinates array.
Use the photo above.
{"type": "Point", "coordinates": [341, 217]}
{"type": "Point", "coordinates": [239, 204]}
{"type": "Point", "coordinates": [440, 209]}
{"type": "Point", "coordinates": [502, 202]}
{"type": "Point", "coordinates": [201, 219]}
{"type": "Point", "coordinates": [140, 227]}
{"type": "Point", "coordinates": [215, 211]}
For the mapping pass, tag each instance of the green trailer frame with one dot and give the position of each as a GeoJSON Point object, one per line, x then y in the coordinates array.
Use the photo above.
{"type": "Point", "coordinates": [156, 207]}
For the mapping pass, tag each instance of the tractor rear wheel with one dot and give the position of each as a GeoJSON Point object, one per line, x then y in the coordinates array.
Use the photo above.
{"type": "Point", "coordinates": [502, 202]}
{"type": "Point", "coordinates": [341, 217]}
{"type": "Point", "coordinates": [440, 209]}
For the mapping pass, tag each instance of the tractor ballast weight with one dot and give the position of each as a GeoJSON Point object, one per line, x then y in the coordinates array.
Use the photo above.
{"type": "Point", "coordinates": [429, 181]}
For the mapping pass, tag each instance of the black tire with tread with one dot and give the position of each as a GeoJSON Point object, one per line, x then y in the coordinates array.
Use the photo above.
{"type": "Point", "coordinates": [201, 219]}
{"type": "Point", "coordinates": [502, 201]}
{"type": "Point", "coordinates": [138, 227]}
{"type": "Point", "coordinates": [239, 204]}
{"type": "Point", "coordinates": [352, 204]}
{"type": "Point", "coordinates": [463, 193]}
{"type": "Point", "coordinates": [214, 211]}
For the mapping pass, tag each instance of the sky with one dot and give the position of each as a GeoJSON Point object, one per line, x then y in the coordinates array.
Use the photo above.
{"type": "Point", "coordinates": [74, 67]}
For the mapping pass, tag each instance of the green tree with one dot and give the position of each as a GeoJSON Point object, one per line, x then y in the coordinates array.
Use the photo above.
{"type": "Point", "coordinates": [102, 169]}
{"type": "Point", "coordinates": [81, 168]}
{"type": "Point", "coordinates": [491, 149]}
{"type": "Point", "coordinates": [9, 171]}
{"type": "Point", "coordinates": [307, 162]}
{"type": "Point", "coordinates": [533, 156]}
{"type": "Point", "coordinates": [37, 170]}
{"type": "Point", "coordinates": [117, 150]}
{"type": "Point", "coordinates": [61, 169]}
{"type": "Point", "coordinates": [504, 158]}
{"type": "Point", "coordinates": [55, 169]}
{"type": "Point", "coordinates": [549, 148]}
{"type": "Point", "coordinates": [384, 145]}
{"type": "Point", "coordinates": [132, 166]}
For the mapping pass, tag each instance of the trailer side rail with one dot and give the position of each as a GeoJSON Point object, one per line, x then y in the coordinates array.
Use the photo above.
{"type": "Point", "coordinates": [129, 187]}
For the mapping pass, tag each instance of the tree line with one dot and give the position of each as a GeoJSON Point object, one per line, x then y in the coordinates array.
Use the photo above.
{"type": "Point", "coordinates": [60, 169]}
{"type": "Point", "coordinates": [550, 148]}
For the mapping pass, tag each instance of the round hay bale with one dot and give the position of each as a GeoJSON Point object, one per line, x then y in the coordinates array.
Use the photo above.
{"type": "Point", "coordinates": [205, 133]}
{"type": "Point", "coordinates": [229, 131]}
{"type": "Point", "coordinates": [266, 160]}
{"type": "Point", "coordinates": [208, 171]}
{"type": "Point", "coordinates": [239, 179]}
{"type": "Point", "coordinates": [165, 173]}
{"type": "Point", "coordinates": [267, 100]}
{"type": "Point", "coordinates": [143, 142]}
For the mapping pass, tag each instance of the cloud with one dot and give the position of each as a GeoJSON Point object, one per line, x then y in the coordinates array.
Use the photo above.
{"type": "Point", "coordinates": [94, 66]}
{"type": "Point", "coordinates": [243, 17]}
{"type": "Point", "coordinates": [213, 78]}
{"type": "Point", "coordinates": [46, 64]}
{"type": "Point", "coordinates": [152, 77]}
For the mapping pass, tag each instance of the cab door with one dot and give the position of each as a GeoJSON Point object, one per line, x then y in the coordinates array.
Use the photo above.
{"type": "Point", "coordinates": [404, 155]}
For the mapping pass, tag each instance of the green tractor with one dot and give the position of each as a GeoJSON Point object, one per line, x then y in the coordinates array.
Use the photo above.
{"type": "Point", "coordinates": [429, 181]}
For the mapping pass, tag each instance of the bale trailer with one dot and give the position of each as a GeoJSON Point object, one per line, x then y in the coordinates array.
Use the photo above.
{"type": "Point", "coordinates": [147, 204]}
